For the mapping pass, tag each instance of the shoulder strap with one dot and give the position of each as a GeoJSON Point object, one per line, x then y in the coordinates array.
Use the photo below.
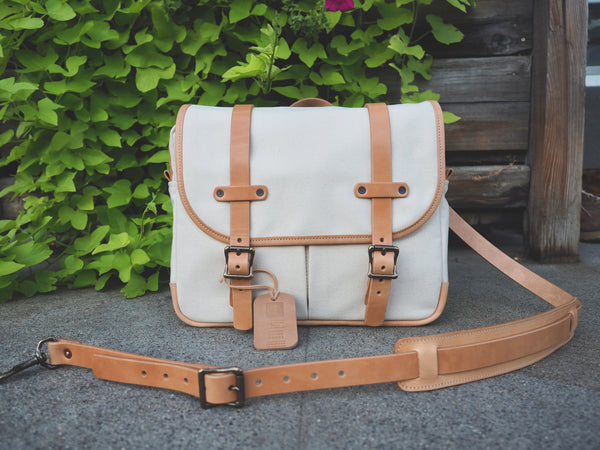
{"type": "Point", "coordinates": [422, 363]}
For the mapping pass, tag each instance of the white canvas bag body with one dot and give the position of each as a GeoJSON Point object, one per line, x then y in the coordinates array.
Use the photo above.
{"type": "Point", "coordinates": [312, 227]}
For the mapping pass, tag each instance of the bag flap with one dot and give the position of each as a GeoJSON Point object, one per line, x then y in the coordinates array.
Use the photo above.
{"type": "Point", "coordinates": [310, 159]}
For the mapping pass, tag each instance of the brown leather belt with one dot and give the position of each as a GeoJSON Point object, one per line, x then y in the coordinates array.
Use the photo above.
{"type": "Point", "coordinates": [419, 363]}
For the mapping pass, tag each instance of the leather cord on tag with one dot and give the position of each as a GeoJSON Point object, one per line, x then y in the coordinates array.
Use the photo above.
{"type": "Point", "coordinates": [273, 290]}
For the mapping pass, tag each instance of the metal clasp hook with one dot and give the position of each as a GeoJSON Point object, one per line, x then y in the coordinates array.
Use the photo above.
{"type": "Point", "coordinates": [38, 358]}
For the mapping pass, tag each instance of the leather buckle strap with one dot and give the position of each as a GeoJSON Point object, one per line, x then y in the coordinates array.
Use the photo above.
{"type": "Point", "coordinates": [238, 387]}
{"type": "Point", "coordinates": [383, 249]}
{"type": "Point", "coordinates": [239, 250]}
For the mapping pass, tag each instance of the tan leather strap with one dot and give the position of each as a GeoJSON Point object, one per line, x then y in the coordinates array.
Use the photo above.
{"type": "Point", "coordinates": [381, 261]}
{"type": "Point", "coordinates": [420, 363]}
{"type": "Point", "coordinates": [239, 263]}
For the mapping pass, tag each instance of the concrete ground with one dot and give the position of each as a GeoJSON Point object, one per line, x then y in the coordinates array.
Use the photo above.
{"type": "Point", "coordinates": [552, 404]}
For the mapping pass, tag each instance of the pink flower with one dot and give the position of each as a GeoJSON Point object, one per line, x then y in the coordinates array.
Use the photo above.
{"type": "Point", "coordinates": [339, 5]}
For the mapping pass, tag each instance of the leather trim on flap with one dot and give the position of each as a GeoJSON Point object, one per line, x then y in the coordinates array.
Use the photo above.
{"type": "Point", "coordinates": [312, 239]}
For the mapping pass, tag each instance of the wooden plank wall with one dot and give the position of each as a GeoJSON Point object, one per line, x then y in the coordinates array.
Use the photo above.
{"type": "Point", "coordinates": [486, 80]}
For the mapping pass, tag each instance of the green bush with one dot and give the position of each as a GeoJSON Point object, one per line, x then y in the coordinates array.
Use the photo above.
{"type": "Point", "coordinates": [90, 89]}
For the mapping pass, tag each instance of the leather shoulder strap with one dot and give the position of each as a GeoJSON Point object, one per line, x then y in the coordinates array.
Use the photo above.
{"type": "Point", "coordinates": [421, 363]}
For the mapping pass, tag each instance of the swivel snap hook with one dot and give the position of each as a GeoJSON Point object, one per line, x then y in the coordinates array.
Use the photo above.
{"type": "Point", "coordinates": [39, 357]}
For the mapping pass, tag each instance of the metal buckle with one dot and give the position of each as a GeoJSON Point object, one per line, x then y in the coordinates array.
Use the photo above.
{"type": "Point", "coordinates": [383, 249]}
{"type": "Point", "coordinates": [238, 387]}
{"type": "Point", "coordinates": [250, 251]}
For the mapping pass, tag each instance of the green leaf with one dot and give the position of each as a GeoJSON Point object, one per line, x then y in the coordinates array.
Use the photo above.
{"type": "Point", "coordinates": [240, 9]}
{"type": "Point", "coordinates": [393, 17]}
{"type": "Point", "coordinates": [444, 32]}
{"type": "Point", "coordinates": [147, 79]}
{"type": "Point", "coordinates": [135, 287]}
{"type": "Point", "coordinates": [26, 23]}
{"type": "Point", "coordinates": [72, 264]}
{"type": "Point", "coordinates": [45, 281]}
{"type": "Point", "coordinates": [450, 117]}
{"type": "Point", "coordinates": [139, 257]}
{"type": "Point", "coordinates": [31, 253]}
{"type": "Point", "coordinates": [115, 242]}
{"type": "Point", "coordinates": [399, 44]}
{"type": "Point", "coordinates": [83, 279]}
{"type": "Point", "coordinates": [147, 56]}
{"type": "Point", "coordinates": [8, 267]}
{"type": "Point", "coordinates": [297, 92]}
{"type": "Point", "coordinates": [46, 108]}
{"type": "Point", "coordinates": [59, 10]}
{"type": "Point", "coordinates": [141, 191]}
{"type": "Point", "coordinates": [86, 244]}
{"type": "Point", "coordinates": [64, 182]}
{"type": "Point", "coordinates": [308, 55]}
{"type": "Point", "coordinates": [120, 193]}
{"type": "Point", "coordinates": [344, 48]}
{"type": "Point", "coordinates": [459, 4]}
{"type": "Point", "coordinates": [110, 137]}
{"type": "Point", "coordinates": [122, 262]}
{"type": "Point", "coordinates": [331, 76]}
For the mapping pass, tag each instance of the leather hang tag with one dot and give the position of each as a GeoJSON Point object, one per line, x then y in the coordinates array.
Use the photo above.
{"type": "Point", "coordinates": [275, 325]}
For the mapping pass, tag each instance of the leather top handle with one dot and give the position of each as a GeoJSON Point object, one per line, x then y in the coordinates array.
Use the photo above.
{"type": "Point", "coordinates": [311, 102]}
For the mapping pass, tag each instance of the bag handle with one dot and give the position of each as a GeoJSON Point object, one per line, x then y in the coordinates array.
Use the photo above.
{"type": "Point", "coordinates": [311, 102]}
{"type": "Point", "coordinates": [421, 363]}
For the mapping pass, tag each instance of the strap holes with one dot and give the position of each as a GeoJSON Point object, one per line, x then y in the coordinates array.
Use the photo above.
{"type": "Point", "coordinates": [341, 373]}
{"type": "Point", "coordinates": [382, 267]}
{"type": "Point", "coordinates": [383, 253]}
{"type": "Point", "coordinates": [286, 379]}
{"type": "Point", "coordinates": [237, 267]}
{"type": "Point", "coordinates": [362, 190]}
{"type": "Point", "coordinates": [144, 373]}
{"type": "Point", "coordinates": [381, 239]}
{"type": "Point", "coordinates": [258, 382]}
{"type": "Point", "coordinates": [314, 376]}
{"type": "Point", "coordinates": [166, 376]}
{"type": "Point", "coordinates": [186, 381]}
{"type": "Point", "coordinates": [68, 353]}
{"type": "Point", "coordinates": [239, 240]}
{"type": "Point", "coordinates": [381, 280]}
{"type": "Point", "coordinates": [378, 292]}
{"type": "Point", "coordinates": [238, 253]}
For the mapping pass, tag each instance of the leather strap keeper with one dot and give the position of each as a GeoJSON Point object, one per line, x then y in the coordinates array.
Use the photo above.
{"type": "Point", "coordinates": [254, 193]}
{"type": "Point", "coordinates": [381, 190]}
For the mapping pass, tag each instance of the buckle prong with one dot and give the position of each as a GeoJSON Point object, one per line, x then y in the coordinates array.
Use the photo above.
{"type": "Point", "coordinates": [383, 249]}
{"type": "Point", "coordinates": [238, 387]}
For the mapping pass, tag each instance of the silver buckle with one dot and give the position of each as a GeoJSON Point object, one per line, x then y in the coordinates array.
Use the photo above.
{"type": "Point", "coordinates": [383, 249]}
{"type": "Point", "coordinates": [238, 387]}
{"type": "Point", "coordinates": [234, 276]}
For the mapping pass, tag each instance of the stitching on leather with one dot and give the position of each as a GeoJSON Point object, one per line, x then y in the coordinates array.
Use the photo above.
{"type": "Point", "coordinates": [544, 315]}
{"type": "Point", "coordinates": [306, 240]}
{"type": "Point", "coordinates": [521, 363]}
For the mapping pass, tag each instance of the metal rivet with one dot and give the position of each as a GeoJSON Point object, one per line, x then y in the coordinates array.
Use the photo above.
{"type": "Point", "coordinates": [68, 353]}
{"type": "Point", "coordinates": [260, 192]}
{"type": "Point", "coordinates": [402, 190]}
{"type": "Point", "coordinates": [220, 193]}
{"type": "Point", "coordinates": [362, 190]}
